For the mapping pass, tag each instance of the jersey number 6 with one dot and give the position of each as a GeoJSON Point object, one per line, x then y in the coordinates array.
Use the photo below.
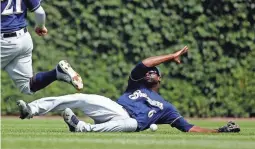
{"type": "Point", "coordinates": [10, 9]}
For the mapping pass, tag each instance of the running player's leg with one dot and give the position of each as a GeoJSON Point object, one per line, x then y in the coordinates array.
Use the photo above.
{"type": "Point", "coordinates": [99, 108]}
{"type": "Point", "coordinates": [62, 72]}
{"type": "Point", "coordinates": [20, 70]}
{"type": "Point", "coordinates": [121, 125]}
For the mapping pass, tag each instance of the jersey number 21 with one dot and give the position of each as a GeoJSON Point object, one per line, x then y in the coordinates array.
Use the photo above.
{"type": "Point", "coordinates": [10, 9]}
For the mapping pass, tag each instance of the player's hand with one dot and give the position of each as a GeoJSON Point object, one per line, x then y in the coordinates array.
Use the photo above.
{"type": "Point", "coordinates": [179, 53]}
{"type": "Point", "coordinates": [41, 31]}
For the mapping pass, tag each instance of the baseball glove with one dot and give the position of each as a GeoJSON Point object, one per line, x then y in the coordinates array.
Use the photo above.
{"type": "Point", "coordinates": [230, 127]}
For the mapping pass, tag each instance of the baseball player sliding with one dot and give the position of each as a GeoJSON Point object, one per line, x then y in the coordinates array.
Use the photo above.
{"type": "Point", "coordinates": [138, 108]}
{"type": "Point", "coordinates": [17, 46]}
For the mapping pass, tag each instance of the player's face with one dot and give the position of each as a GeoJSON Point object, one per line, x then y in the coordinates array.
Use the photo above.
{"type": "Point", "coordinates": [152, 80]}
{"type": "Point", "coordinates": [152, 77]}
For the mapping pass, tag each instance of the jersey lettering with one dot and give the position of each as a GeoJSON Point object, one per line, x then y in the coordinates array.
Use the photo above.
{"type": "Point", "coordinates": [138, 94]}
{"type": "Point", "coordinates": [9, 8]}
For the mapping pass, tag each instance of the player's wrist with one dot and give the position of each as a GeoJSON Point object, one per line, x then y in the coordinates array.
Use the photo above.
{"type": "Point", "coordinates": [41, 26]}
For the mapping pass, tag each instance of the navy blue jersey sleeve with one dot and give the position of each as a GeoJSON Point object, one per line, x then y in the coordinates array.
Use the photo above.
{"type": "Point", "coordinates": [181, 124]}
{"type": "Point", "coordinates": [139, 72]}
{"type": "Point", "coordinates": [173, 117]}
{"type": "Point", "coordinates": [32, 5]}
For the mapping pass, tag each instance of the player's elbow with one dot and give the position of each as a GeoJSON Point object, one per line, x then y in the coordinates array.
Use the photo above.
{"type": "Point", "coordinates": [39, 11]}
{"type": "Point", "coordinates": [182, 125]}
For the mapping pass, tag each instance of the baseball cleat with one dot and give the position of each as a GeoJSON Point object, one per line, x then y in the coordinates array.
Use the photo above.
{"type": "Point", "coordinates": [66, 73]}
{"type": "Point", "coordinates": [24, 110]}
{"type": "Point", "coordinates": [70, 119]}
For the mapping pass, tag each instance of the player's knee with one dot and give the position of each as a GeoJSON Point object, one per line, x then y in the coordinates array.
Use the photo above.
{"type": "Point", "coordinates": [25, 88]}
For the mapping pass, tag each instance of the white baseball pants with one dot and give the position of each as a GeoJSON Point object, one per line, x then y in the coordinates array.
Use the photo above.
{"type": "Point", "coordinates": [107, 114]}
{"type": "Point", "coordinates": [16, 59]}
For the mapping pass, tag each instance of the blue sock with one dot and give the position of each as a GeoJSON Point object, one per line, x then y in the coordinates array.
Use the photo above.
{"type": "Point", "coordinates": [42, 79]}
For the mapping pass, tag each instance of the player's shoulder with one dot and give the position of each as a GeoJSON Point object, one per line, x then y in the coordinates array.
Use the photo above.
{"type": "Point", "coordinates": [32, 5]}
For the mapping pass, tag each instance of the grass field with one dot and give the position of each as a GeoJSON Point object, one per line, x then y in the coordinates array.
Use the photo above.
{"type": "Point", "coordinates": [52, 133]}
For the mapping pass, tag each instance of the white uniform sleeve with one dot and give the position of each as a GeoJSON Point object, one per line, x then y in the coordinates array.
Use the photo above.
{"type": "Point", "coordinates": [40, 16]}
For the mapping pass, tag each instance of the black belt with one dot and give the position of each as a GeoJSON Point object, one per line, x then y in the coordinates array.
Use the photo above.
{"type": "Point", "coordinates": [13, 34]}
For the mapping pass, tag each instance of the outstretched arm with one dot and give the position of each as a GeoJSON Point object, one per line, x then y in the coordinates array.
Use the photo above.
{"type": "Point", "coordinates": [230, 127]}
{"type": "Point", "coordinates": [156, 60]}
{"type": "Point", "coordinates": [203, 130]}
{"type": "Point", "coordinates": [182, 125]}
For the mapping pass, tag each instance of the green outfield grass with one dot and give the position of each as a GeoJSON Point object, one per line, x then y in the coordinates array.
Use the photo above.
{"type": "Point", "coordinates": [52, 133]}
